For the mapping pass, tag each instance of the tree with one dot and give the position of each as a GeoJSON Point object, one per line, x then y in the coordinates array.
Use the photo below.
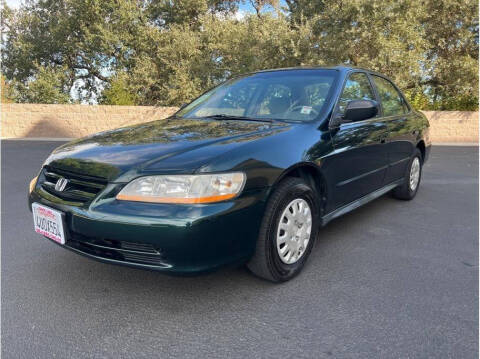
{"type": "Point", "coordinates": [430, 48]}
{"type": "Point", "coordinates": [117, 92]}
{"type": "Point", "coordinates": [49, 85]}
{"type": "Point", "coordinates": [87, 39]}
{"type": "Point", "coordinates": [5, 91]}
{"type": "Point", "coordinates": [451, 57]}
{"type": "Point", "coordinates": [165, 13]}
{"type": "Point", "coordinates": [258, 5]}
{"type": "Point", "coordinates": [166, 52]}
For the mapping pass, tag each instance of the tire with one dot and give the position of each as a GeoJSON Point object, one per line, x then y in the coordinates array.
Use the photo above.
{"type": "Point", "coordinates": [405, 191]}
{"type": "Point", "coordinates": [267, 263]}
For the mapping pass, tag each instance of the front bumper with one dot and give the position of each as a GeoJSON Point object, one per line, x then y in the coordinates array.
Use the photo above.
{"type": "Point", "coordinates": [164, 237]}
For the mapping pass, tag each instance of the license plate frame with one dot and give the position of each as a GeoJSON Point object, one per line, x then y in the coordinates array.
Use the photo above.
{"type": "Point", "coordinates": [49, 222]}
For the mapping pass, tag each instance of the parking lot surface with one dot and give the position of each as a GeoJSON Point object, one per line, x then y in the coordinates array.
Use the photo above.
{"type": "Point", "coordinates": [391, 279]}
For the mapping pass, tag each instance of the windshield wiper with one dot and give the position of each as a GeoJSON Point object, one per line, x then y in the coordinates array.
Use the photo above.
{"type": "Point", "coordinates": [242, 118]}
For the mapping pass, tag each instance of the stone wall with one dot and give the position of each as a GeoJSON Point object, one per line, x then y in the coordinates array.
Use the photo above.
{"type": "Point", "coordinates": [71, 121]}
{"type": "Point", "coordinates": [453, 126]}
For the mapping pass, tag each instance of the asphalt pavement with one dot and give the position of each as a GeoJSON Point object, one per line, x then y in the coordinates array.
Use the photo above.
{"type": "Point", "coordinates": [392, 279]}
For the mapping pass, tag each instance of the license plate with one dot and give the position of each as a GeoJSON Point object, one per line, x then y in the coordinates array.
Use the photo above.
{"type": "Point", "coordinates": [48, 222]}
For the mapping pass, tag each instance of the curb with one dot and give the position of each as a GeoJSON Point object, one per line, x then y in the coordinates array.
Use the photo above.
{"type": "Point", "coordinates": [465, 144]}
{"type": "Point", "coordinates": [63, 139]}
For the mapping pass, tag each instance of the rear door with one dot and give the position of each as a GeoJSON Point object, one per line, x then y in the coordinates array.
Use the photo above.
{"type": "Point", "coordinates": [358, 164]}
{"type": "Point", "coordinates": [396, 114]}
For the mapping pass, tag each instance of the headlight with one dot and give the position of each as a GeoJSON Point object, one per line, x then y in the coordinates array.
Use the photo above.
{"type": "Point", "coordinates": [33, 183]}
{"type": "Point", "coordinates": [204, 188]}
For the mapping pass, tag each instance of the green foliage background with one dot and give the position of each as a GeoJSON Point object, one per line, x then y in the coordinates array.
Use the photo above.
{"type": "Point", "coordinates": [166, 52]}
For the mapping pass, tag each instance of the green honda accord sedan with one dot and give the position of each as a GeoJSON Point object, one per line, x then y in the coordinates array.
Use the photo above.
{"type": "Point", "coordinates": [246, 173]}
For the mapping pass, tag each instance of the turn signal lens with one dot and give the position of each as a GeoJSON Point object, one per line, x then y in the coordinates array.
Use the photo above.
{"type": "Point", "coordinates": [204, 188]}
{"type": "Point", "coordinates": [33, 183]}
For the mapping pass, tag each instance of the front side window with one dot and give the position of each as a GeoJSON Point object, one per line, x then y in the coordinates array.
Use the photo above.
{"type": "Point", "coordinates": [357, 87]}
{"type": "Point", "coordinates": [392, 101]}
{"type": "Point", "coordinates": [295, 95]}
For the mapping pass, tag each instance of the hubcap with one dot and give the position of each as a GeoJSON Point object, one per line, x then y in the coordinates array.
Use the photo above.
{"type": "Point", "coordinates": [414, 174]}
{"type": "Point", "coordinates": [294, 230]}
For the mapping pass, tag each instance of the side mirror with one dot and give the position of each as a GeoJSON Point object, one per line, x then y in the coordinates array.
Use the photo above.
{"type": "Point", "coordinates": [359, 110]}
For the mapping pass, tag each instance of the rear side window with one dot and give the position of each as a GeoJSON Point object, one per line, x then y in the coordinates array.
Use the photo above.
{"type": "Point", "coordinates": [357, 87]}
{"type": "Point", "coordinates": [392, 101]}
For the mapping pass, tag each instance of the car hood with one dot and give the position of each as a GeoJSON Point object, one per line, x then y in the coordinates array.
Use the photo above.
{"type": "Point", "coordinates": [112, 153]}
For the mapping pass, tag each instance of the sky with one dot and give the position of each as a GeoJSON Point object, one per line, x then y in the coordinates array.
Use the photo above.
{"type": "Point", "coordinates": [13, 3]}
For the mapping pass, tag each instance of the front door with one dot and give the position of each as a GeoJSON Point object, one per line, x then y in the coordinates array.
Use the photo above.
{"type": "Point", "coordinates": [359, 162]}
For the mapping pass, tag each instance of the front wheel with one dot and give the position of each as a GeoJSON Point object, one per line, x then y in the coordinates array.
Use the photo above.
{"type": "Point", "coordinates": [413, 175]}
{"type": "Point", "coordinates": [287, 233]}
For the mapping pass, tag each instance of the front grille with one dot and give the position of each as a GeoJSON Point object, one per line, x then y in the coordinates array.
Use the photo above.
{"type": "Point", "coordinates": [79, 188]}
{"type": "Point", "coordinates": [124, 251]}
{"type": "Point", "coordinates": [139, 247]}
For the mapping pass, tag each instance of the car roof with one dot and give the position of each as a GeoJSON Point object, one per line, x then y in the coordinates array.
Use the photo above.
{"type": "Point", "coordinates": [341, 68]}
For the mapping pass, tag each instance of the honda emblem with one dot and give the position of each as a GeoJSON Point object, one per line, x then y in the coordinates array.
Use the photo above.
{"type": "Point", "coordinates": [61, 184]}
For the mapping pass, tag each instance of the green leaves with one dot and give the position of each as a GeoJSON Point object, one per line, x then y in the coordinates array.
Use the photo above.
{"type": "Point", "coordinates": [117, 92]}
{"type": "Point", "coordinates": [429, 48]}
{"type": "Point", "coordinates": [49, 86]}
{"type": "Point", "coordinates": [166, 52]}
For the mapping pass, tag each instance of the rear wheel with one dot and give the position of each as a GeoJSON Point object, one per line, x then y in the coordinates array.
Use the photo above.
{"type": "Point", "coordinates": [287, 233]}
{"type": "Point", "coordinates": [413, 175]}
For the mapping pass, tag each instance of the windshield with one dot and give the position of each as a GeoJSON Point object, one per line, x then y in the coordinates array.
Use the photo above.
{"type": "Point", "coordinates": [295, 95]}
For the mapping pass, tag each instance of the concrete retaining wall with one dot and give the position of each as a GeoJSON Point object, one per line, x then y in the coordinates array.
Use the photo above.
{"type": "Point", "coordinates": [71, 121]}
